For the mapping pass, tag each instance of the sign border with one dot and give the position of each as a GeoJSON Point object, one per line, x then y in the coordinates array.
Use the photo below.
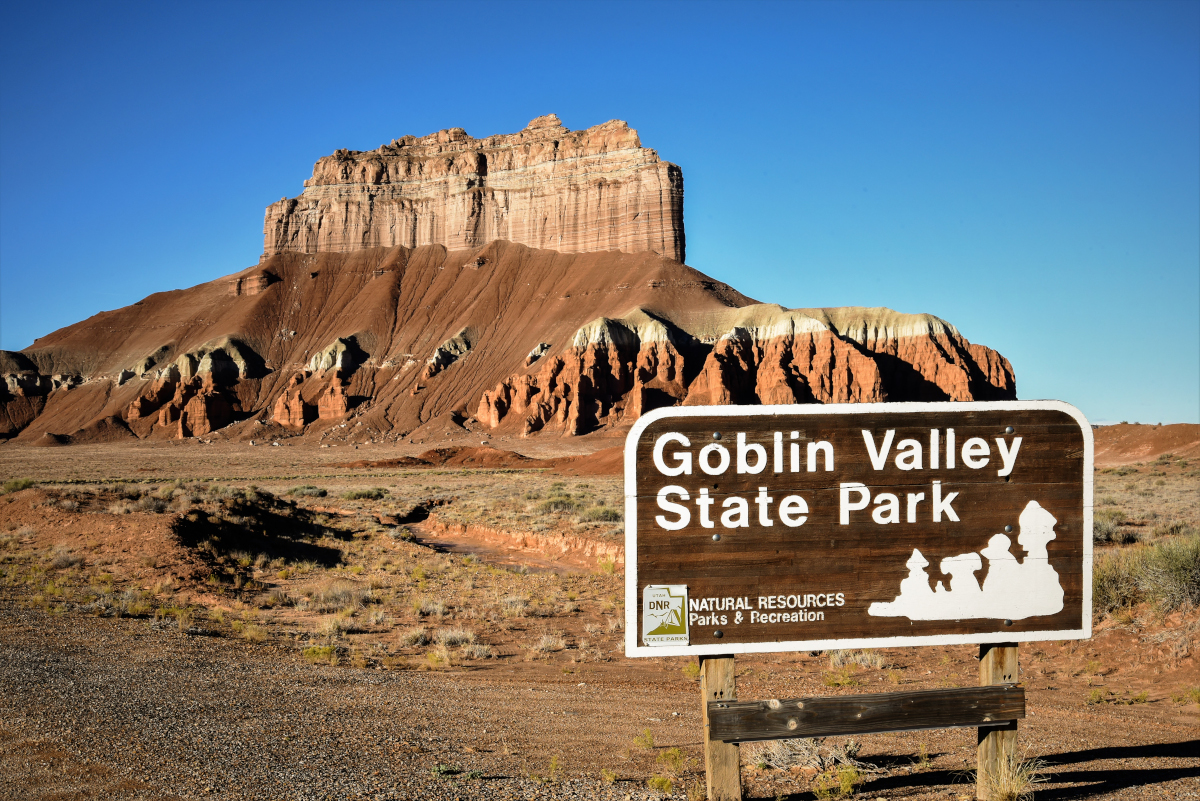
{"type": "Point", "coordinates": [633, 607]}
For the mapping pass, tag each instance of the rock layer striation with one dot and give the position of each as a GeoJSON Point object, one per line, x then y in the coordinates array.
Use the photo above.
{"type": "Point", "coordinates": [545, 187]}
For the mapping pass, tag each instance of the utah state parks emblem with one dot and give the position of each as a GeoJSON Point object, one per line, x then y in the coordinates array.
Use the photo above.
{"type": "Point", "coordinates": [664, 614]}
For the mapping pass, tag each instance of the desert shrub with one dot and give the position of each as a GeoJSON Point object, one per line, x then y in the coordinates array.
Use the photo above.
{"type": "Point", "coordinates": [63, 559]}
{"type": "Point", "coordinates": [15, 485]}
{"type": "Point", "coordinates": [68, 505]}
{"type": "Point", "coordinates": [318, 654]}
{"type": "Point", "coordinates": [548, 643]}
{"type": "Point", "coordinates": [429, 607]}
{"type": "Point", "coordinates": [126, 491]}
{"type": "Point", "coordinates": [601, 514]}
{"type": "Point", "coordinates": [514, 605]}
{"type": "Point", "coordinates": [867, 659]}
{"type": "Point", "coordinates": [1013, 778]}
{"type": "Point", "coordinates": [842, 677]}
{"type": "Point", "coordinates": [253, 633]}
{"type": "Point", "coordinates": [1104, 529]}
{"type": "Point", "coordinates": [662, 784]}
{"type": "Point", "coordinates": [1171, 529]}
{"type": "Point", "coordinates": [414, 636]}
{"type": "Point", "coordinates": [673, 760]}
{"type": "Point", "coordinates": [149, 503]}
{"type": "Point", "coordinates": [476, 650]}
{"type": "Point", "coordinates": [308, 491]}
{"type": "Point", "coordinates": [334, 595]}
{"type": "Point", "coordinates": [1165, 574]}
{"type": "Point", "coordinates": [373, 494]}
{"type": "Point", "coordinates": [1171, 577]}
{"type": "Point", "coordinates": [562, 503]}
{"type": "Point", "coordinates": [276, 597]}
{"type": "Point", "coordinates": [453, 637]}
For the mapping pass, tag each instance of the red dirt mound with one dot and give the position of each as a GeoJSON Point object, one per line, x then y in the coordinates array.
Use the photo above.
{"type": "Point", "coordinates": [1126, 443]}
{"type": "Point", "coordinates": [384, 464]}
{"type": "Point", "coordinates": [491, 458]}
{"type": "Point", "coordinates": [607, 462]}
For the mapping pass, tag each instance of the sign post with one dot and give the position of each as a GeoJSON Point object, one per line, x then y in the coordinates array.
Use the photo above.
{"type": "Point", "coordinates": [810, 527]}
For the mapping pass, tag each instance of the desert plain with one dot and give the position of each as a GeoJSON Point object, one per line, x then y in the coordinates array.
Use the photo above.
{"type": "Point", "coordinates": [220, 619]}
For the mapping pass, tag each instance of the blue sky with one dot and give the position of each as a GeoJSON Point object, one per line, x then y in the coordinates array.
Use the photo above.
{"type": "Point", "coordinates": [1028, 171]}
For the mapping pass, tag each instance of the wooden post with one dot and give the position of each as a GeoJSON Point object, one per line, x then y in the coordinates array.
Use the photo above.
{"type": "Point", "coordinates": [997, 744]}
{"type": "Point", "coordinates": [722, 761]}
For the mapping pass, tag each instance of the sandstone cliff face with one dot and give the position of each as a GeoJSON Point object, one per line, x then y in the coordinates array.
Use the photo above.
{"type": "Point", "coordinates": [545, 187]}
{"type": "Point", "coordinates": [616, 370]}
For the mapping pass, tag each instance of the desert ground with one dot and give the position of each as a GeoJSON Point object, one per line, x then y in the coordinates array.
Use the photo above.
{"type": "Point", "coordinates": [216, 619]}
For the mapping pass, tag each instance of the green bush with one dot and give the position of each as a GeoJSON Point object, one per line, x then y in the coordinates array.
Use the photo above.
{"type": "Point", "coordinates": [308, 490]}
{"type": "Point", "coordinates": [15, 485]}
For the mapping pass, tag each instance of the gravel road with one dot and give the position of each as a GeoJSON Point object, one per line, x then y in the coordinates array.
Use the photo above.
{"type": "Point", "coordinates": [105, 708]}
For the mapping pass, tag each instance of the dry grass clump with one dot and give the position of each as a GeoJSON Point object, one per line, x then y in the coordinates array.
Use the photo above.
{"type": "Point", "coordinates": [414, 636]}
{"type": "Point", "coordinates": [276, 597]}
{"type": "Point", "coordinates": [1166, 574]}
{"type": "Point", "coordinates": [308, 491]}
{"type": "Point", "coordinates": [1107, 526]}
{"type": "Point", "coordinates": [429, 607]}
{"type": "Point", "coordinates": [336, 594]}
{"type": "Point", "coordinates": [830, 760]}
{"type": "Point", "coordinates": [453, 637]}
{"type": "Point", "coordinates": [476, 650]}
{"type": "Point", "coordinates": [514, 606]}
{"type": "Point", "coordinates": [130, 603]}
{"type": "Point", "coordinates": [373, 494]}
{"type": "Point", "coordinates": [63, 559]}
{"type": "Point", "coordinates": [548, 643]}
{"type": "Point", "coordinates": [1013, 779]}
{"type": "Point", "coordinates": [865, 658]}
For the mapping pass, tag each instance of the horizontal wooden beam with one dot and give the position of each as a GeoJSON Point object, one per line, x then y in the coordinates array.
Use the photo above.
{"type": "Point", "coordinates": [778, 719]}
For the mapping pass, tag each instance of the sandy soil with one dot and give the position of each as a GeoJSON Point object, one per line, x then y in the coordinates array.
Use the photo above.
{"type": "Point", "coordinates": [215, 680]}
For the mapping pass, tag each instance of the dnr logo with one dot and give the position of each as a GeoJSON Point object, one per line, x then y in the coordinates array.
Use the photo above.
{"type": "Point", "coordinates": [664, 614]}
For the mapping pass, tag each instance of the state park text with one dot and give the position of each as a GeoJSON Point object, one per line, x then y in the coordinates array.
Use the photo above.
{"type": "Point", "coordinates": [674, 454]}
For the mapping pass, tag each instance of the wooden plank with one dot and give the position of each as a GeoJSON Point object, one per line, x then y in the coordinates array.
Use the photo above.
{"type": "Point", "coordinates": [998, 665]}
{"type": "Point", "coordinates": [863, 560]}
{"type": "Point", "coordinates": [777, 719]}
{"type": "Point", "coordinates": [722, 760]}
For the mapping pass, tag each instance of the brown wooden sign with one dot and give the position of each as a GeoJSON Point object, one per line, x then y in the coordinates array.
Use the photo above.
{"type": "Point", "coordinates": [782, 528]}
{"type": "Point", "coordinates": [842, 715]}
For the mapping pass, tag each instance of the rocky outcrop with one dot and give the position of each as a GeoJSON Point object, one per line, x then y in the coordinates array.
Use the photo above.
{"type": "Point", "coordinates": [195, 395]}
{"type": "Point", "coordinates": [252, 284]}
{"type": "Point", "coordinates": [290, 409]}
{"type": "Point", "coordinates": [616, 370]}
{"type": "Point", "coordinates": [333, 403]}
{"type": "Point", "coordinates": [207, 411]}
{"type": "Point", "coordinates": [546, 187]}
{"type": "Point", "coordinates": [447, 354]}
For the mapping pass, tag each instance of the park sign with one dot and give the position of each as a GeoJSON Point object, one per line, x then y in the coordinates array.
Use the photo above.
{"type": "Point", "coordinates": [807, 527]}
